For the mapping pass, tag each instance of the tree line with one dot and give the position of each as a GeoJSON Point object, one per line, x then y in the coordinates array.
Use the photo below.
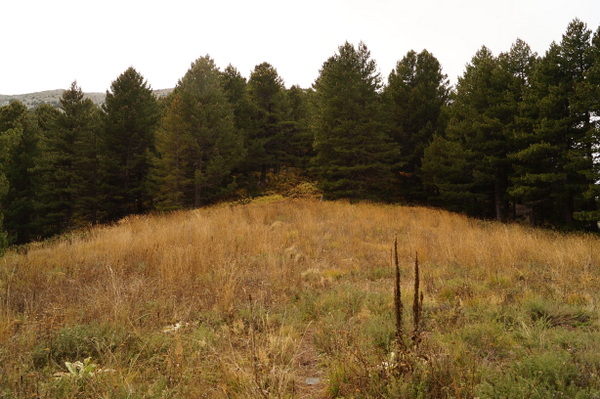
{"type": "Point", "coordinates": [518, 136]}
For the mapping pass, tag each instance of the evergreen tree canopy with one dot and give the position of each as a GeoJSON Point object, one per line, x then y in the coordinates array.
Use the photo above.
{"type": "Point", "coordinates": [556, 166]}
{"type": "Point", "coordinates": [299, 138]}
{"type": "Point", "coordinates": [130, 118]}
{"type": "Point", "coordinates": [266, 141]}
{"type": "Point", "coordinates": [18, 146]}
{"type": "Point", "coordinates": [416, 93]}
{"type": "Point", "coordinates": [236, 91]}
{"type": "Point", "coordinates": [197, 143]}
{"type": "Point", "coordinates": [354, 156]}
{"type": "Point", "coordinates": [69, 164]}
{"type": "Point", "coordinates": [20, 201]}
{"type": "Point", "coordinates": [589, 90]}
{"type": "Point", "coordinates": [245, 121]}
{"type": "Point", "coordinates": [480, 130]}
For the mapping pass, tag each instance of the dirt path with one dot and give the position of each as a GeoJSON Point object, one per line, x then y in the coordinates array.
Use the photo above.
{"type": "Point", "coordinates": [310, 380]}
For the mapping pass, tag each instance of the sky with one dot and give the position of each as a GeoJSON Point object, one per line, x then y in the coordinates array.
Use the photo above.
{"type": "Point", "coordinates": [47, 44]}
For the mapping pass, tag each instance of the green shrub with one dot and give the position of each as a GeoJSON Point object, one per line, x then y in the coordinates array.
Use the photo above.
{"type": "Point", "coordinates": [379, 330]}
{"type": "Point", "coordinates": [548, 374]}
{"type": "Point", "coordinates": [78, 342]}
{"type": "Point", "coordinates": [487, 340]}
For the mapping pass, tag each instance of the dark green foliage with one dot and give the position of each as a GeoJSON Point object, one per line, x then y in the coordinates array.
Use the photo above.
{"type": "Point", "coordinates": [244, 111]}
{"type": "Point", "coordinates": [471, 166]}
{"type": "Point", "coordinates": [523, 133]}
{"type": "Point", "coordinates": [589, 90]}
{"type": "Point", "coordinates": [354, 157]}
{"type": "Point", "coordinates": [446, 168]}
{"type": "Point", "coordinates": [299, 137]}
{"type": "Point", "coordinates": [170, 165]}
{"type": "Point", "coordinates": [476, 135]}
{"type": "Point", "coordinates": [416, 93]}
{"type": "Point", "coordinates": [274, 123]}
{"type": "Point", "coordinates": [46, 116]}
{"type": "Point", "coordinates": [69, 165]}
{"type": "Point", "coordinates": [127, 142]}
{"type": "Point", "coordinates": [540, 176]}
{"type": "Point", "coordinates": [556, 167]}
{"type": "Point", "coordinates": [266, 139]}
{"type": "Point", "coordinates": [20, 201]}
{"type": "Point", "coordinates": [197, 143]}
{"type": "Point", "coordinates": [17, 134]}
{"type": "Point", "coordinates": [24, 200]}
{"type": "Point", "coordinates": [236, 91]}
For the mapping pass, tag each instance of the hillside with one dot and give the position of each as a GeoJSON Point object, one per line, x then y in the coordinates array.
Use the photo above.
{"type": "Point", "coordinates": [52, 97]}
{"type": "Point", "coordinates": [294, 298]}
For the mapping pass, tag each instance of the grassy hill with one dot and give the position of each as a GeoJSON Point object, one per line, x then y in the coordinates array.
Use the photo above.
{"type": "Point", "coordinates": [294, 298]}
{"type": "Point", "coordinates": [52, 97]}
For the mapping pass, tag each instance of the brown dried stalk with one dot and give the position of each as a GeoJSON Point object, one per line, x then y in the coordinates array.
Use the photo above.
{"type": "Point", "coordinates": [398, 307]}
{"type": "Point", "coordinates": [417, 305]}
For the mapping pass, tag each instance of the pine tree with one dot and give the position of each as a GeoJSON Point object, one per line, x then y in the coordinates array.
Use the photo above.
{"type": "Point", "coordinates": [416, 93]}
{"type": "Point", "coordinates": [447, 171]}
{"type": "Point", "coordinates": [481, 128]}
{"type": "Point", "coordinates": [588, 91]}
{"type": "Point", "coordinates": [266, 140]}
{"type": "Point", "coordinates": [172, 165]}
{"type": "Point", "coordinates": [299, 136]}
{"type": "Point", "coordinates": [69, 164]}
{"type": "Point", "coordinates": [197, 143]}
{"type": "Point", "coordinates": [236, 91]}
{"type": "Point", "coordinates": [245, 121]}
{"type": "Point", "coordinates": [46, 116]}
{"type": "Point", "coordinates": [555, 167]}
{"type": "Point", "coordinates": [19, 202]}
{"type": "Point", "coordinates": [354, 155]}
{"type": "Point", "coordinates": [15, 134]}
{"type": "Point", "coordinates": [127, 142]}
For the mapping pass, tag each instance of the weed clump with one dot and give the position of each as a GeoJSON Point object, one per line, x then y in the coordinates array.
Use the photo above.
{"type": "Point", "coordinates": [97, 341]}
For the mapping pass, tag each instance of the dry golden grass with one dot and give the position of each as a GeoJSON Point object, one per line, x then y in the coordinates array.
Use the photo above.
{"type": "Point", "coordinates": [226, 270]}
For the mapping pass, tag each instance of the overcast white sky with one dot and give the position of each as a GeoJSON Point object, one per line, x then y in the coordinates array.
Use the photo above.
{"type": "Point", "coordinates": [48, 44]}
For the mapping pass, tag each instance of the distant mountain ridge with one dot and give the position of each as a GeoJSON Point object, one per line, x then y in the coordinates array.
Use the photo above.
{"type": "Point", "coordinates": [52, 97]}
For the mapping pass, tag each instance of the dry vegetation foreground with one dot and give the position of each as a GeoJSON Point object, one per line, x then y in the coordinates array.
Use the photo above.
{"type": "Point", "coordinates": [294, 298]}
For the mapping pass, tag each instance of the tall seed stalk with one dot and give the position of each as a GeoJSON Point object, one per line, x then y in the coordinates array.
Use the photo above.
{"type": "Point", "coordinates": [398, 307]}
{"type": "Point", "coordinates": [417, 305]}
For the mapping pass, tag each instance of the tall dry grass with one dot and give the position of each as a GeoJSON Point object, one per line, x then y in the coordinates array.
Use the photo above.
{"type": "Point", "coordinates": [147, 272]}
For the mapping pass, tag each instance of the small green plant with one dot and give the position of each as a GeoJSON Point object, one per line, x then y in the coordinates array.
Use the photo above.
{"type": "Point", "coordinates": [81, 370]}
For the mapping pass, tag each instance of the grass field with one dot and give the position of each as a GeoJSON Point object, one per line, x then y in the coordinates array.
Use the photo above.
{"type": "Point", "coordinates": [290, 298]}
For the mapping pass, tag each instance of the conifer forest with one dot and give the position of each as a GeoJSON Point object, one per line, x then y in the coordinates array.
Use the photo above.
{"type": "Point", "coordinates": [517, 138]}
